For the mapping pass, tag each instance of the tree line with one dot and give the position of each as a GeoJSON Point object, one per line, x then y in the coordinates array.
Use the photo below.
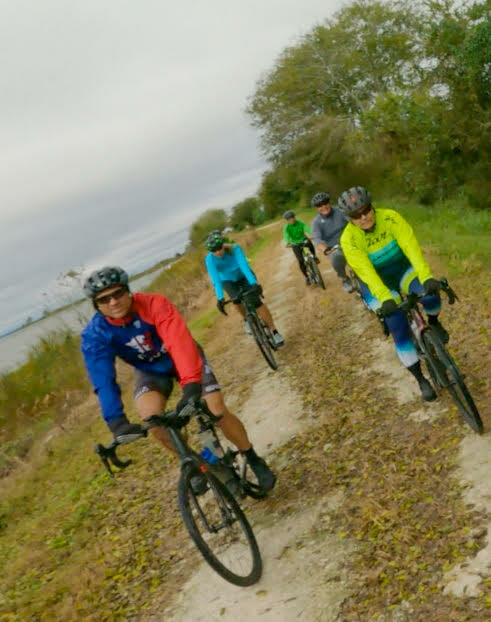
{"type": "Point", "coordinates": [392, 95]}
{"type": "Point", "coordinates": [389, 94]}
{"type": "Point", "coordinates": [248, 212]}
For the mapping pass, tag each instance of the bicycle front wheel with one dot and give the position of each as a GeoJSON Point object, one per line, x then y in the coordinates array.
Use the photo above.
{"type": "Point", "coordinates": [316, 273]}
{"type": "Point", "coordinates": [219, 529]}
{"type": "Point", "coordinates": [262, 340]}
{"type": "Point", "coordinates": [445, 372]}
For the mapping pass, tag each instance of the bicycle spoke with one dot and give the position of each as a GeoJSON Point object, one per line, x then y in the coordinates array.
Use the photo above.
{"type": "Point", "coordinates": [445, 372]}
{"type": "Point", "coordinates": [220, 530]}
{"type": "Point", "coordinates": [262, 341]}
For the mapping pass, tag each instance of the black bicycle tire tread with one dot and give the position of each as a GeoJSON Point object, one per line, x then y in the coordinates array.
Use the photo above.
{"type": "Point", "coordinates": [269, 335]}
{"type": "Point", "coordinates": [318, 276]}
{"type": "Point", "coordinates": [468, 409]}
{"type": "Point", "coordinates": [262, 341]}
{"type": "Point", "coordinates": [184, 483]}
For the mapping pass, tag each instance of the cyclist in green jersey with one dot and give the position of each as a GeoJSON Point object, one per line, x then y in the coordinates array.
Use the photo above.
{"type": "Point", "coordinates": [381, 248]}
{"type": "Point", "coordinates": [295, 233]}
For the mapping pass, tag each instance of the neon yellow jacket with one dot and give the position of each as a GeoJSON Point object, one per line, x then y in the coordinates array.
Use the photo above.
{"type": "Point", "coordinates": [380, 257]}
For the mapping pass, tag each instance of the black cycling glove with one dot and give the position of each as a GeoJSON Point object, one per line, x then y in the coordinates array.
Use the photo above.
{"type": "Point", "coordinates": [388, 307]}
{"type": "Point", "coordinates": [221, 306]}
{"type": "Point", "coordinates": [258, 289]}
{"type": "Point", "coordinates": [121, 426]}
{"type": "Point", "coordinates": [431, 286]}
{"type": "Point", "coordinates": [191, 393]}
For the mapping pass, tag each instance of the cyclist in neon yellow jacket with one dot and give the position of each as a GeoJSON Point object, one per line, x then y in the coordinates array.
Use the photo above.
{"type": "Point", "coordinates": [382, 250]}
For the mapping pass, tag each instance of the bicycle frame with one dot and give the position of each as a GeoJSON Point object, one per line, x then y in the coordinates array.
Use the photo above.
{"type": "Point", "coordinates": [231, 474]}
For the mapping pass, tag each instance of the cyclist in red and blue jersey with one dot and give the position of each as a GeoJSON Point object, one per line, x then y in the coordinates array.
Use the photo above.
{"type": "Point", "coordinates": [148, 332]}
{"type": "Point", "coordinates": [381, 248]}
{"type": "Point", "coordinates": [229, 270]}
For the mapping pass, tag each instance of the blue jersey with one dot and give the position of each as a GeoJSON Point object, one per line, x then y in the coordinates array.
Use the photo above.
{"type": "Point", "coordinates": [154, 339]}
{"type": "Point", "coordinates": [232, 266]}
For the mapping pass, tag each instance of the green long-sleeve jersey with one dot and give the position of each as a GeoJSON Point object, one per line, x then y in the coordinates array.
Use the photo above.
{"type": "Point", "coordinates": [294, 234]}
{"type": "Point", "coordinates": [380, 257]}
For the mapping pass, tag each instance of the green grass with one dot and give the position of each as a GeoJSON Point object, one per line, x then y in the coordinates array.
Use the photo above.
{"type": "Point", "coordinates": [75, 544]}
{"type": "Point", "coordinates": [263, 239]}
{"type": "Point", "coordinates": [31, 397]}
{"type": "Point", "coordinates": [459, 234]}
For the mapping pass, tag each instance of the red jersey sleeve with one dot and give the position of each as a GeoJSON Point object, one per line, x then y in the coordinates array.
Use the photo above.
{"type": "Point", "coordinates": [171, 328]}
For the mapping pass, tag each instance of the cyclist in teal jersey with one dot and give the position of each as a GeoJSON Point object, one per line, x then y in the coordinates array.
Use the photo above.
{"type": "Point", "coordinates": [295, 233]}
{"type": "Point", "coordinates": [229, 270]}
{"type": "Point", "coordinates": [381, 248]}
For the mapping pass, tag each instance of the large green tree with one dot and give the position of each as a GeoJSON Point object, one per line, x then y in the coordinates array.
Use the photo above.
{"type": "Point", "coordinates": [337, 69]}
{"type": "Point", "coordinates": [394, 95]}
{"type": "Point", "coordinates": [245, 213]}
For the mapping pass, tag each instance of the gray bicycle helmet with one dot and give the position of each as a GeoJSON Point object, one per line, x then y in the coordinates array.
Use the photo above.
{"type": "Point", "coordinates": [99, 280]}
{"type": "Point", "coordinates": [288, 214]}
{"type": "Point", "coordinates": [353, 200]}
{"type": "Point", "coordinates": [321, 198]}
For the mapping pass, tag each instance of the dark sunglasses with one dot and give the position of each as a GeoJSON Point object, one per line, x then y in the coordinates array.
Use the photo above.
{"type": "Point", "coordinates": [116, 294]}
{"type": "Point", "coordinates": [362, 212]}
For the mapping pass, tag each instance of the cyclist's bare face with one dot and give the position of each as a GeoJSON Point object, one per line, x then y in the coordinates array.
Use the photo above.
{"type": "Point", "coordinates": [114, 302]}
{"type": "Point", "coordinates": [324, 210]}
{"type": "Point", "coordinates": [291, 221]}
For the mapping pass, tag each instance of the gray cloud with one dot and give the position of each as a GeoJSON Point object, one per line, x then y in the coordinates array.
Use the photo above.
{"type": "Point", "coordinates": [117, 116]}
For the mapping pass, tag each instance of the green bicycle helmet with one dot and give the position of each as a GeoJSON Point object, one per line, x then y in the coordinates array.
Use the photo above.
{"type": "Point", "coordinates": [214, 242]}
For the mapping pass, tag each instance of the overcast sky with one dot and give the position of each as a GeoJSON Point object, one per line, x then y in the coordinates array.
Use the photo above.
{"type": "Point", "coordinates": [120, 118]}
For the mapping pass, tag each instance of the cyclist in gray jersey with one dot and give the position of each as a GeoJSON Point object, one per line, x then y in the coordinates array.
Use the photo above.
{"type": "Point", "coordinates": [327, 228]}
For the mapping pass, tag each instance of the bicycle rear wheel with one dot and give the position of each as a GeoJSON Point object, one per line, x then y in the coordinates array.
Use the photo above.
{"type": "Point", "coordinates": [445, 372]}
{"type": "Point", "coordinates": [262, 340]}
{"type": "Point", "coordinates": [219, 529]}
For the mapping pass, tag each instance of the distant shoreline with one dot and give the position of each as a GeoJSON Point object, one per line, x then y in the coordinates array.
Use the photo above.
{"type": "Point", "coordinates": [62, 308]}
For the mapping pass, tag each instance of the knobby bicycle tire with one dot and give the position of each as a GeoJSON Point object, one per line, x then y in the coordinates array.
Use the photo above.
{"type": "Point", "coordinates": [269, 334]}
{"type": "Point", "coordinates": [318, 280]}
{"type": "Point", "coordinates": [262, 340]}
{"type": "Point", "coordinates": [230, 515]}
{"type": "Point", "coordinates": [447, 375]}
{"type": "Point", "coordinates": [355, 283]}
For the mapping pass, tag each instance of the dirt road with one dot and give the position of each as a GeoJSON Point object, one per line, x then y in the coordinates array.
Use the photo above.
{"type": "Point", "coordinates": [312, 537]}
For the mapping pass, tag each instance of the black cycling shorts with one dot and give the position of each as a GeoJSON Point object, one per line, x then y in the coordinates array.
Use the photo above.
{"type": "Point", "coordinates": [163, 383]}
{"type": "Point", "coordinates": [235, 288]}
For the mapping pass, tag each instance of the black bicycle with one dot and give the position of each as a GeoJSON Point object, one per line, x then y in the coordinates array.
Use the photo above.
{"type": "Point", "coordinates": [442, 368]}
{"type": "Point", "coordinates": [263, 335]}
{"type": "Point", "coordinates": [313, 273]}
{"type": "Point", "coordinates": [355, 284]}
{"type": "Point", "coordinates": [207, 494]}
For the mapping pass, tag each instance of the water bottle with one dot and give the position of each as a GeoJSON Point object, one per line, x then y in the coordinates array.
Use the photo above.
{"type": "Point", "coordinates": [211, 452]}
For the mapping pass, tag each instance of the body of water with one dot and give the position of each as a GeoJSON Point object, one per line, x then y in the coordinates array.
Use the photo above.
{"type": "Point", "coordinates": [15, 346]}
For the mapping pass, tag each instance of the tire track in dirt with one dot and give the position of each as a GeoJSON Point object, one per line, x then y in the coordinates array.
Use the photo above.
{"type": "Point", "coordinates": [302, 574]}
{"type": "Point", "coordinates": [474, 459]}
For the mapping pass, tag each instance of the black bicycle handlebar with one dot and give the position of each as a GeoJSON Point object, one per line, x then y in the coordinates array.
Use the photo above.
{"type": "Point", "coordinates": [170, 419]}
{"type": "Point", "coordinates": [412, 299]}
